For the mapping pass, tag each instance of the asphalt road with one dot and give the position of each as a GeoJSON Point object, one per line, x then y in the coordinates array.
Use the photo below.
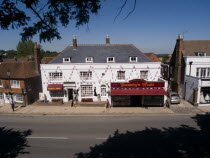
{"type": "Point", "coordinates": [64, 136]}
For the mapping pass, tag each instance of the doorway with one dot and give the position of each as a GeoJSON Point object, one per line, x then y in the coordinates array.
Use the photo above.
{"type": "Point", "coordinates": [70, 94]}
{"type": "Point", "coordinates": [136, 101]}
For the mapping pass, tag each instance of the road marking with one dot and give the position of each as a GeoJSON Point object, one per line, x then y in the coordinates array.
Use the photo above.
{"type": "Point", "coordinates": [102, 138]}
{"type": "Point", "coordinates": [47, 138]}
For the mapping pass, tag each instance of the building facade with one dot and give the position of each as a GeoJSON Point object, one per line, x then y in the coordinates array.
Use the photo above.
{"type": "Point", "coordinates": [20, 81]}
{"type": "Point", "coordinates": [190, 70]}
{"type": "Point", "coordinates": [86, 72]}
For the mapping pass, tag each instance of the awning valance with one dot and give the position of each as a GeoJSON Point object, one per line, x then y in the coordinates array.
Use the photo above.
{"type": "Point", "coordinates": [138, 91]}
{"type": "Point", "coordinates": [55, 87]}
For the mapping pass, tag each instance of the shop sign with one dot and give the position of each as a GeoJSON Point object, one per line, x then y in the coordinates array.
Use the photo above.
{"type": "Point", "coordinates": [136, 84]}
{"type": "Point", "coordinates": [205, 83]}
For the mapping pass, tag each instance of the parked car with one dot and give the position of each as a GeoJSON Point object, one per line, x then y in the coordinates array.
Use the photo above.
{"type": "Point", "coordinates": [174, 98]}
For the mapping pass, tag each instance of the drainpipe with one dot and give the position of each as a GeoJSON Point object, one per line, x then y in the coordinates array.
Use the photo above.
{"type": "Point", "coordinates": [190, 67]}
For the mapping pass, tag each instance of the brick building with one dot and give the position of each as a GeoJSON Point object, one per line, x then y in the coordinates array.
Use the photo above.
{"type": "Point", "coordinates": [190, 70]}
{"type": "Point", "coordinates": [20, 81]}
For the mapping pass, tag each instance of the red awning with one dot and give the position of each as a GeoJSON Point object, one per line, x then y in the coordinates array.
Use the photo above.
{"type": "Point", "coordinates": [138, 91]}
{"type": "Point", "coordinates": [55, 87]}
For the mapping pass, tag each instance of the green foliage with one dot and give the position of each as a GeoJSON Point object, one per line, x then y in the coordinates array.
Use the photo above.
{"type": "Point", "coordinates": [25, 49]}
{"type": "Point", "coordinates": [8, 53]}
{"type": "Point", "coordinates": [50, 14]}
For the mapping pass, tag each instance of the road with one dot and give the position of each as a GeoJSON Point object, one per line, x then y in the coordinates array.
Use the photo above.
{"type": "Point", "coordinates": [64, 136]}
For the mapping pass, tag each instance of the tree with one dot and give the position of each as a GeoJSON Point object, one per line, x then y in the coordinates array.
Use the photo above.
{"type": "Point", "coordinates": [44, 17]}
{"type": "Point", "coordinates": [25, 49]}
{"type": "Point", "coordinates": [49, 15]}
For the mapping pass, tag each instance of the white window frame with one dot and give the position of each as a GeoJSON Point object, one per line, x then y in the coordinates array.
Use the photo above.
{"type": "Point", "coordinates": [19, 98]}
{"type": "Point", "coordinates": [86, 90]}
{"type": "Point", "coordinates": [86, 75]}
{"type": "Point", "coordinates": [1, 96]}
{"type": "Point", "coordinates": [103, 91]}
{"type": "Point", "coordinates": [55, 76]}
{"type": "Point", "coordinates": [201, 54]}
{"type": "Point", "coordinates": [112, 61]}
{"type": "Point", "coordinates": [132, 59]}
{"type": "Point", "coordinates": [121, 75]}
{"type": "Point", "coordinates": [1, 84]}
{"type": "Point", "coordinates": [60, 94]}
{"type": "Point", "coordinates": [144, 76]}
{"type": "Point", "coordinates": [89, 61]}
{"type": "Point", "coordinates": [66, 60]}
{"type": "Point", "coordinates": [14, 83]}
{"type": "Point", "coordinates": [203, 72]}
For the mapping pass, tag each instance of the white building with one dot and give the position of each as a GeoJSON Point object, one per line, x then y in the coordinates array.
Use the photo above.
{"type": "Point", "coordinates": [85, 72]}
{"type": "Point", "coordinates": [190, 70]}
{"type": "Point", "coordinates": [197, 80]}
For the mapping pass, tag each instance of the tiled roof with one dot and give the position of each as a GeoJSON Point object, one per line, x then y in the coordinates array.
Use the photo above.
{"type": "Point", "coordinates": [153, 57]}
{"type": "Point", "coordinates": [18, 70]}
{"type": "Point", "coordinates": [190, 47]}
{"type": "Point", "coordinates": [100, 52]}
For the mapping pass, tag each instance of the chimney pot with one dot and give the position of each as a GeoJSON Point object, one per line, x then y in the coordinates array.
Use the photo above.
{"type": "Point", "coordinates": [179, 36]}
{"type": "Point", "coordinates": [107, 39]}
{"type": "Point", "coordinates": [74, 40]}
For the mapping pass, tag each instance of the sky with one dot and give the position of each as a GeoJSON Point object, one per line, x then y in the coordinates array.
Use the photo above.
{"type": "Point", "coordinates": [152, 27]}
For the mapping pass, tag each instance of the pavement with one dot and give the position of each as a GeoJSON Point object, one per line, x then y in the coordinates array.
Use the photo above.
{"type": "Point", "coordinates": [182, 108]}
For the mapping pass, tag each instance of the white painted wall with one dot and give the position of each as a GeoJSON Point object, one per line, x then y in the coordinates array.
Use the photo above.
{"type": "Point", "coordinates": [191, 83]}
{"type": "Point", "coordinates": [198, 62]}
{"type": "Point", "coordinates": [71, 73]}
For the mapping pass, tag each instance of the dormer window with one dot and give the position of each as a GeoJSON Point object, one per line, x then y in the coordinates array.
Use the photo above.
{"type": "Point", "coordinates": [133, 59]}
{"type": "Point", "coordinates": [110, 60]}
{"type": "Point", "coordinates": [89, 59]}
{"type": "Point", "coordinates": [200, 53]}
{"type": "Point", "coordinates": [66, 60]}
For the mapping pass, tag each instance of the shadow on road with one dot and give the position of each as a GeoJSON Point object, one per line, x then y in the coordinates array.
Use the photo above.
{"type": "Point", "coordinates": [180, 142]}
{"type": "Point", "coordinates": [12, 142]}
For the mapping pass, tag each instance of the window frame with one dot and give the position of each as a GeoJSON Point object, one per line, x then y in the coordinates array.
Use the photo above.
{"type": "Point", "coordinates": [120, 76]}
{"type": "Point", "coordinates": [143, 76]}
{"type": "Point", "coordinates": [86, 59]}
{"type": "Point", "coordinates": [57, 78]}
{"type": "Point", "coordinates": [132, 61]}
{"type": "Point", "coordinates": [203, 72]}
{"type": "Point", "coordinates": [1, 96]}
{"type": "Point", "coordinates": [20, 98]}
{"type": "Point", "coordinates": [14, 83]}
{"type": "Point", "coordinates": [200, 54]}
{"type": "Point", "coordinates": [88, 76]}
{"type": "Point", "coordinates": [86, 90]}
{"type": "Point", "coordinates": [113, 61]}
{"type": "Point", "coordinates": [103, 87]}
{"type": "Point", "coordinates": [1, 84]}
{"type": "Point", "coordinates": [64, 60]}
{"type": "Point", "coordinates": [59, 95]}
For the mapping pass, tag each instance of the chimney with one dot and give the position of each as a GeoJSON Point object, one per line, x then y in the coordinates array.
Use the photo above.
{"type": "Point", "coordinates": [107, 39]}
{"type": "Point", "coordinates": [178, 63]}
{"type": "Point", "coordinates": [74, 40]}
{"type": "Point", "coordinates": [37, 58]}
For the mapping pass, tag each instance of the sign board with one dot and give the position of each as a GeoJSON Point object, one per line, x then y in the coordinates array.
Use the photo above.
{"type": "Point", "coordinates": [136, 83]}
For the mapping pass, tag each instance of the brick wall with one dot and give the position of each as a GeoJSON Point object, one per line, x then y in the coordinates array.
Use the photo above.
{"type": "Point", "coordinates": [14, 90]}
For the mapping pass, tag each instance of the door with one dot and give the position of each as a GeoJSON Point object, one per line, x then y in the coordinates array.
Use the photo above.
{"type": "Point", "coordinates": [70, 94]}
{"type": "Point", "coordinates": [136, 100]}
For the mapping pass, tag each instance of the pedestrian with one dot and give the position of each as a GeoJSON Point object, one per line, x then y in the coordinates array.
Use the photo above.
{"type": "Point", "coordinates": [107, 104]}
{"type": "Point", "coordinates": [72, 103]}
{"type": "Point", "coordinates": [13, 106]}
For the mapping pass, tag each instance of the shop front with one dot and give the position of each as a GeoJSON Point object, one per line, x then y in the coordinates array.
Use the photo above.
{"type": "Point", "coordinates": [204, 92]}
{"type": "Point", "coordinates": [138, 93]}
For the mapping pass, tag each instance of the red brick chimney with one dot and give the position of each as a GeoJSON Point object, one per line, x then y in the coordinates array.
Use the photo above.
{"type": "Point", "coordinates": [74, 40]}
{"type": "Point", "coordinates": [178, 63]}
{"type": "Point", "coordinates": [37, 58]}
{"type": "Point", "coordinates": [107, 39]}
